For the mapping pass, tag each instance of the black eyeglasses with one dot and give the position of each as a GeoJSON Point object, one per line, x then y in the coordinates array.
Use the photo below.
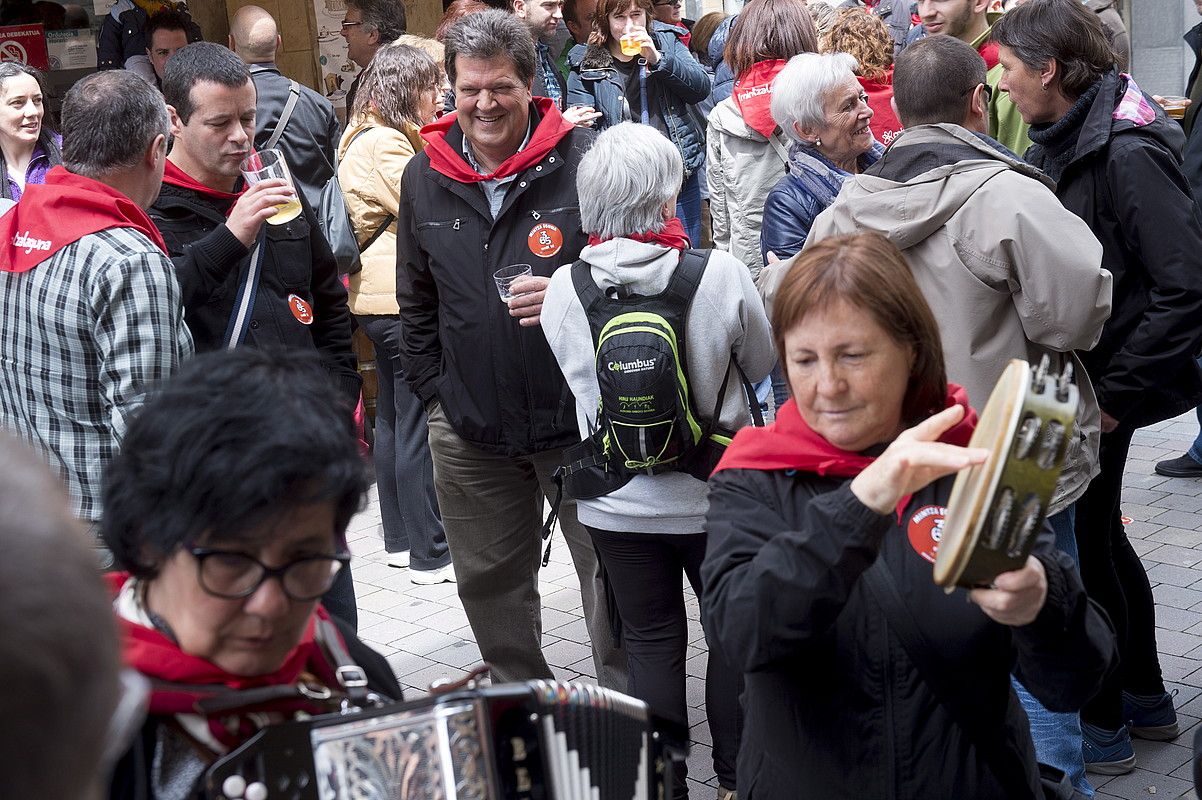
{"type": "Point", "coordinates": [346, 23]}
{"type": "Point", "coordinates": [988, 92]}
{"type": "Point", "coordinates": [233, 576]}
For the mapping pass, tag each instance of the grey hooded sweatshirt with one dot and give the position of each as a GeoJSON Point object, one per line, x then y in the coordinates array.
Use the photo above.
{"type": "Point", "coordinates": [1008, 271]}
{"type": "Point", "coordinates": [726, 316]}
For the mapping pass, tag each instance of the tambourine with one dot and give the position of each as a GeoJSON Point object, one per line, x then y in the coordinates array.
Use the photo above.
{"type": "Point", "coordinates": [996, 508]}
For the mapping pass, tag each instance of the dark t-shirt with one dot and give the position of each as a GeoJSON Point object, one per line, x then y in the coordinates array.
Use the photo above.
{"type": "Point", "coordinates": [629, 70]}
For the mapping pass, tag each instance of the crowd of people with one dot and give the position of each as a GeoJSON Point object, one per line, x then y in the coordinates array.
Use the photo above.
{"type": "Point", "coordinates": [726, 296]}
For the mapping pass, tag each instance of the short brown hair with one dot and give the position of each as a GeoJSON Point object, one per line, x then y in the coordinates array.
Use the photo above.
{"type": "Point", "coordinates": [767, 30]}
{"type": "Point", "coordinates": [600, 36]}
{"type": "Point", "coordinates": [1064, 31]}
{"type": "Point", "coordinates": [868, 272]}
{"type": "Point", "coordinates": [393, 82]}
{"type": "Point", "coordinates": [455, 12]}
{"type": "Point", "coordinates": [934, 79]}
{"type": "Point", "coordinates": [863, 36]}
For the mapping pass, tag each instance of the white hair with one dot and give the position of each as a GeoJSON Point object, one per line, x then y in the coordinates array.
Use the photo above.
{"type": "Point", "coordinates": [799, 91]}
{"type": "Point", "coordinates": [625, 179]}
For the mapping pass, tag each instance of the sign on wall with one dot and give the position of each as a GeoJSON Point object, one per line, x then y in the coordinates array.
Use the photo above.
{"type": "Point", "coordinates": [337, 71]}
{"type": "Point", "coordinates": [25, 44]}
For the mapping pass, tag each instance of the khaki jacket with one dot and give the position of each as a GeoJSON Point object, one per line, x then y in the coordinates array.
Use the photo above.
{"type": "Point", "coordinates": [1008, 271]}
{"type": "Point", "coordinates": [741, 167]}
{"type": "Point", "coordinates": [369, 171]}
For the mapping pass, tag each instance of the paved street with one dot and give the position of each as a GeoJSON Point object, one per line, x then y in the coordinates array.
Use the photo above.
{"type": "Point", "coordinates": [424, 632]}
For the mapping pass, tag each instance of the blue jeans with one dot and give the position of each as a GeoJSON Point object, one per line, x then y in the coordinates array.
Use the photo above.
{"type": "Point", "coordinates": [688, 207]}
{"type": "Point", "coordinates": [1057, 735]}
{"type": "Point", "coordinates": [1195, 449]}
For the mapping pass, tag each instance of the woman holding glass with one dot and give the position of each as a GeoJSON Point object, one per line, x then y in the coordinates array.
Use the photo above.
{"type": "Point", "coordinates": [845, 493]}
{"type": "Point", "coordinates": [28, 148]}
{"type": "Point", "coordinates": [635, 68]}
{"type": "Point", "coordinates": [399, 92]}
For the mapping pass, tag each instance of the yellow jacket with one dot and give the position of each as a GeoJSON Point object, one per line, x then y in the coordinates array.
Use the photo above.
{"type": "Point", "coordinates": [369, 171]}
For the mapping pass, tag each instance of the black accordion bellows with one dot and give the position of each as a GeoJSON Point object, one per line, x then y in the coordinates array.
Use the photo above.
{"type": "Point", "coordinates": [539, 740]}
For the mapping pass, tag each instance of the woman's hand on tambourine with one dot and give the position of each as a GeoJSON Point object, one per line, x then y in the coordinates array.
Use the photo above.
{"type": "Point", "coordinates": [1016, 597]}
{"type": "Point", "coordinates": [914, 459]}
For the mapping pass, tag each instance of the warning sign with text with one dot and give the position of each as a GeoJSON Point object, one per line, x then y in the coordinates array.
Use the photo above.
{"type": "Point", "coordinates": [26, 44]}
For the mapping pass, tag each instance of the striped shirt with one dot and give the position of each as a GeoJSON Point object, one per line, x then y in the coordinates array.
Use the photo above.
{"type": "Point", "coordinates": [84, 334]}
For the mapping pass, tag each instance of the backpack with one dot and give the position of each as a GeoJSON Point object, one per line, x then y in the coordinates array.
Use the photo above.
{"type": "Point", "coordinates": [646, 419]}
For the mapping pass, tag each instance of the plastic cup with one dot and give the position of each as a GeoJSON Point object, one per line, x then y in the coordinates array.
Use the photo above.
{"type": "Point", "coordinates": [1174, 106]}
{"type": "Point", "coordinates": [507, 275]}
{"type": "Point", "coordinates": [266, 165]}
{"type": "Point", "coordinates": [630, 44]}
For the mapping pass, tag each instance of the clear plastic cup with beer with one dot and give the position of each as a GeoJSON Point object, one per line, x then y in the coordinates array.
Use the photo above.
{"type": "Point", "coordinates": [266, 165]}
{"type": "Point", "coordinates": [1174, 106]}
{"type": "Point", "coordinates": [630, 44]}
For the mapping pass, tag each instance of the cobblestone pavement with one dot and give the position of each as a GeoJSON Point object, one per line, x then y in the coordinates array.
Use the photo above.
{"type": "Point", "coordinates": [424, 633]}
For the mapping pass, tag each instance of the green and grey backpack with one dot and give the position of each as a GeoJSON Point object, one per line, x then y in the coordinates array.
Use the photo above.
{"type": "Point", "coordinates": [646, 421]}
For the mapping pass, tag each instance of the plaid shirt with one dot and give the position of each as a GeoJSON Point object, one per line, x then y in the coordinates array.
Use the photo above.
{"type": "Point", "coordinates": [84, 333]}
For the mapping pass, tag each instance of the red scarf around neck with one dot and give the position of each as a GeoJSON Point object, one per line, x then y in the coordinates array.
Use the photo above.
{"type": "Point", "coordinates": [444, 158]}
{"type": "Point", "coordinates": [789, 443]}
{"type": "Point", "coordinates": [179, 680]}
{"type": "Point", "coordinates": [672, 235]}
{"type": "Point", "coordinates": [753, 95]}
{"type": "Point", "coordinates": [174, 176]}
{"type": "Point", "coordinates": [61, 211]}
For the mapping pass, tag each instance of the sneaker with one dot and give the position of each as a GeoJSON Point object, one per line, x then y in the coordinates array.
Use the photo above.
{"type": "Point", "coordinates": [400, 559]}
{"type": "Point", "coordinates": [1107, 752]}
{"type": "Point", "coordinates": [429, 577]}
{"type": "Point", "coordinates": [1151, 716]}
{"type": "Point", "coordinates": [1183, 467]}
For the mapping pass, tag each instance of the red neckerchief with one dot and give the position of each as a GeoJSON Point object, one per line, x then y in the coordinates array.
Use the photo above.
{"type": "Point", "coordinates": [178, 680]}
{"type": "Point", "coordinates": [789, 443]}
{"type": "Point", "coordinates": [989, 52]}
{"type": "Point", "coordinates": [672, 235]}
{"type": "Point", "coordinates": [61, 211]}
{"type": "Point", "coordinates": [174, 176]}
{"type": "Point", "coordinates": [884, 123]}
{"type": "Point", "coordinates": [444, 158]}
{"type": "Point", "coordinates": [753, 95]}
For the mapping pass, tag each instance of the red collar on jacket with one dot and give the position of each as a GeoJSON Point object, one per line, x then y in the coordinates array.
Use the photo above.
{"type": "Point", "coordinates": [61, 211]}
{"type": "Point", "coordinates": [672, 235]}
{"type": "Point", "coordinates": [789, 443]}
{"type": "Point", "coordinates": [174, 176]}
{"type": "Point", "coordinates": [444, 158]}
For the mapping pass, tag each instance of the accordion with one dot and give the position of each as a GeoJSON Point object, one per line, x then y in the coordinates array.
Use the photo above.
{"type": "Point", "coordinates": [540, 740]}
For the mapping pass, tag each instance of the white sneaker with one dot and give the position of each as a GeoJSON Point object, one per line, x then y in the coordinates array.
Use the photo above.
{"type": "Point", "coordinates": [400, 559]}
{"type": "Point", "coordinates": [429, 577]}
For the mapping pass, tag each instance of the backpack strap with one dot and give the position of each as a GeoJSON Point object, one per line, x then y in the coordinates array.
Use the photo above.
{"type": "Point", "coordinates": [685, 279]}
{"type": "Point", "coordinates": [293, 96]}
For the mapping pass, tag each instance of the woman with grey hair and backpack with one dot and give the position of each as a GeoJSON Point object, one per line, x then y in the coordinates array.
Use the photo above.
{"type": "Point", "coordinates": [685, 331]}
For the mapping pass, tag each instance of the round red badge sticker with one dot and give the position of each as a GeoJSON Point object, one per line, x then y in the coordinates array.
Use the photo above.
{"type": "Point", "coordinates": [545, 240]}
{"type": "Point", "coordinates": [925, 530]}
{"type": "Point", "coordinates": [300, 309]}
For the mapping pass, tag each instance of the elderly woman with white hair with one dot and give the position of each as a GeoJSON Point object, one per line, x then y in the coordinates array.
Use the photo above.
{"type": "Point", "coordinates": [820, 105]}
{"type": "Point", "coordinates": [650, 530]}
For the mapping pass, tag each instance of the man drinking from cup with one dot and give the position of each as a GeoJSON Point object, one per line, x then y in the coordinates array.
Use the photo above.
{"type": "Point", "coordinates": [244, 280]}
{"type": "Point", "coordinates": [496, 187]}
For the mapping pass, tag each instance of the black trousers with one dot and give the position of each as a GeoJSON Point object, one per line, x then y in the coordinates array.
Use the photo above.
{"type": "Point", "coordinates": [1115, 578]}
{"type": "Point", "coordinates": [645, 575]}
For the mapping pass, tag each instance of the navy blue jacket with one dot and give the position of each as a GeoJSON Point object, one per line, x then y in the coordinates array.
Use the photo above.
{"type": "Point", "coordinates": [673, 84]}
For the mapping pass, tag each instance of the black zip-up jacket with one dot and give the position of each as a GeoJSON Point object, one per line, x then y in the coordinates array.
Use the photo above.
{"type": "Point", "coordinates": [1125, 181]}
{"type": "Point", "coordinates": [834, 707]}
{"type": "Point", "coordinates": [496, 381]}
{"type": "Point", "coordinates": [209, 261]}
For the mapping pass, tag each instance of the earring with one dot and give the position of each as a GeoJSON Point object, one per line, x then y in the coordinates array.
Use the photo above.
{"type": "Point", "coordinates": [1045, 86]}
{"type": "Point", "coordinates": [818, 143]}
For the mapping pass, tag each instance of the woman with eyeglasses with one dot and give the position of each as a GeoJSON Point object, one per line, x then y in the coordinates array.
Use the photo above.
{"type": "Point", "coordinates": [635, 68]}
{"type": "Point", "coordinates": [227, 510]}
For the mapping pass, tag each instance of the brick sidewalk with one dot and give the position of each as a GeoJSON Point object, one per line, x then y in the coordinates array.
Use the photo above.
{"type": "Point", "coordinates": [424, 633]}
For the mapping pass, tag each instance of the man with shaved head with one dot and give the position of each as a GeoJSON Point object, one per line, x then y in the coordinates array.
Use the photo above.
{"type": "Point", "coordinates": [311, 133]}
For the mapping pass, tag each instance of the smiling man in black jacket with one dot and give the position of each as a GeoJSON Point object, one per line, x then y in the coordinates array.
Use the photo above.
{"type": "Point", "coordinates": [496, 186]}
